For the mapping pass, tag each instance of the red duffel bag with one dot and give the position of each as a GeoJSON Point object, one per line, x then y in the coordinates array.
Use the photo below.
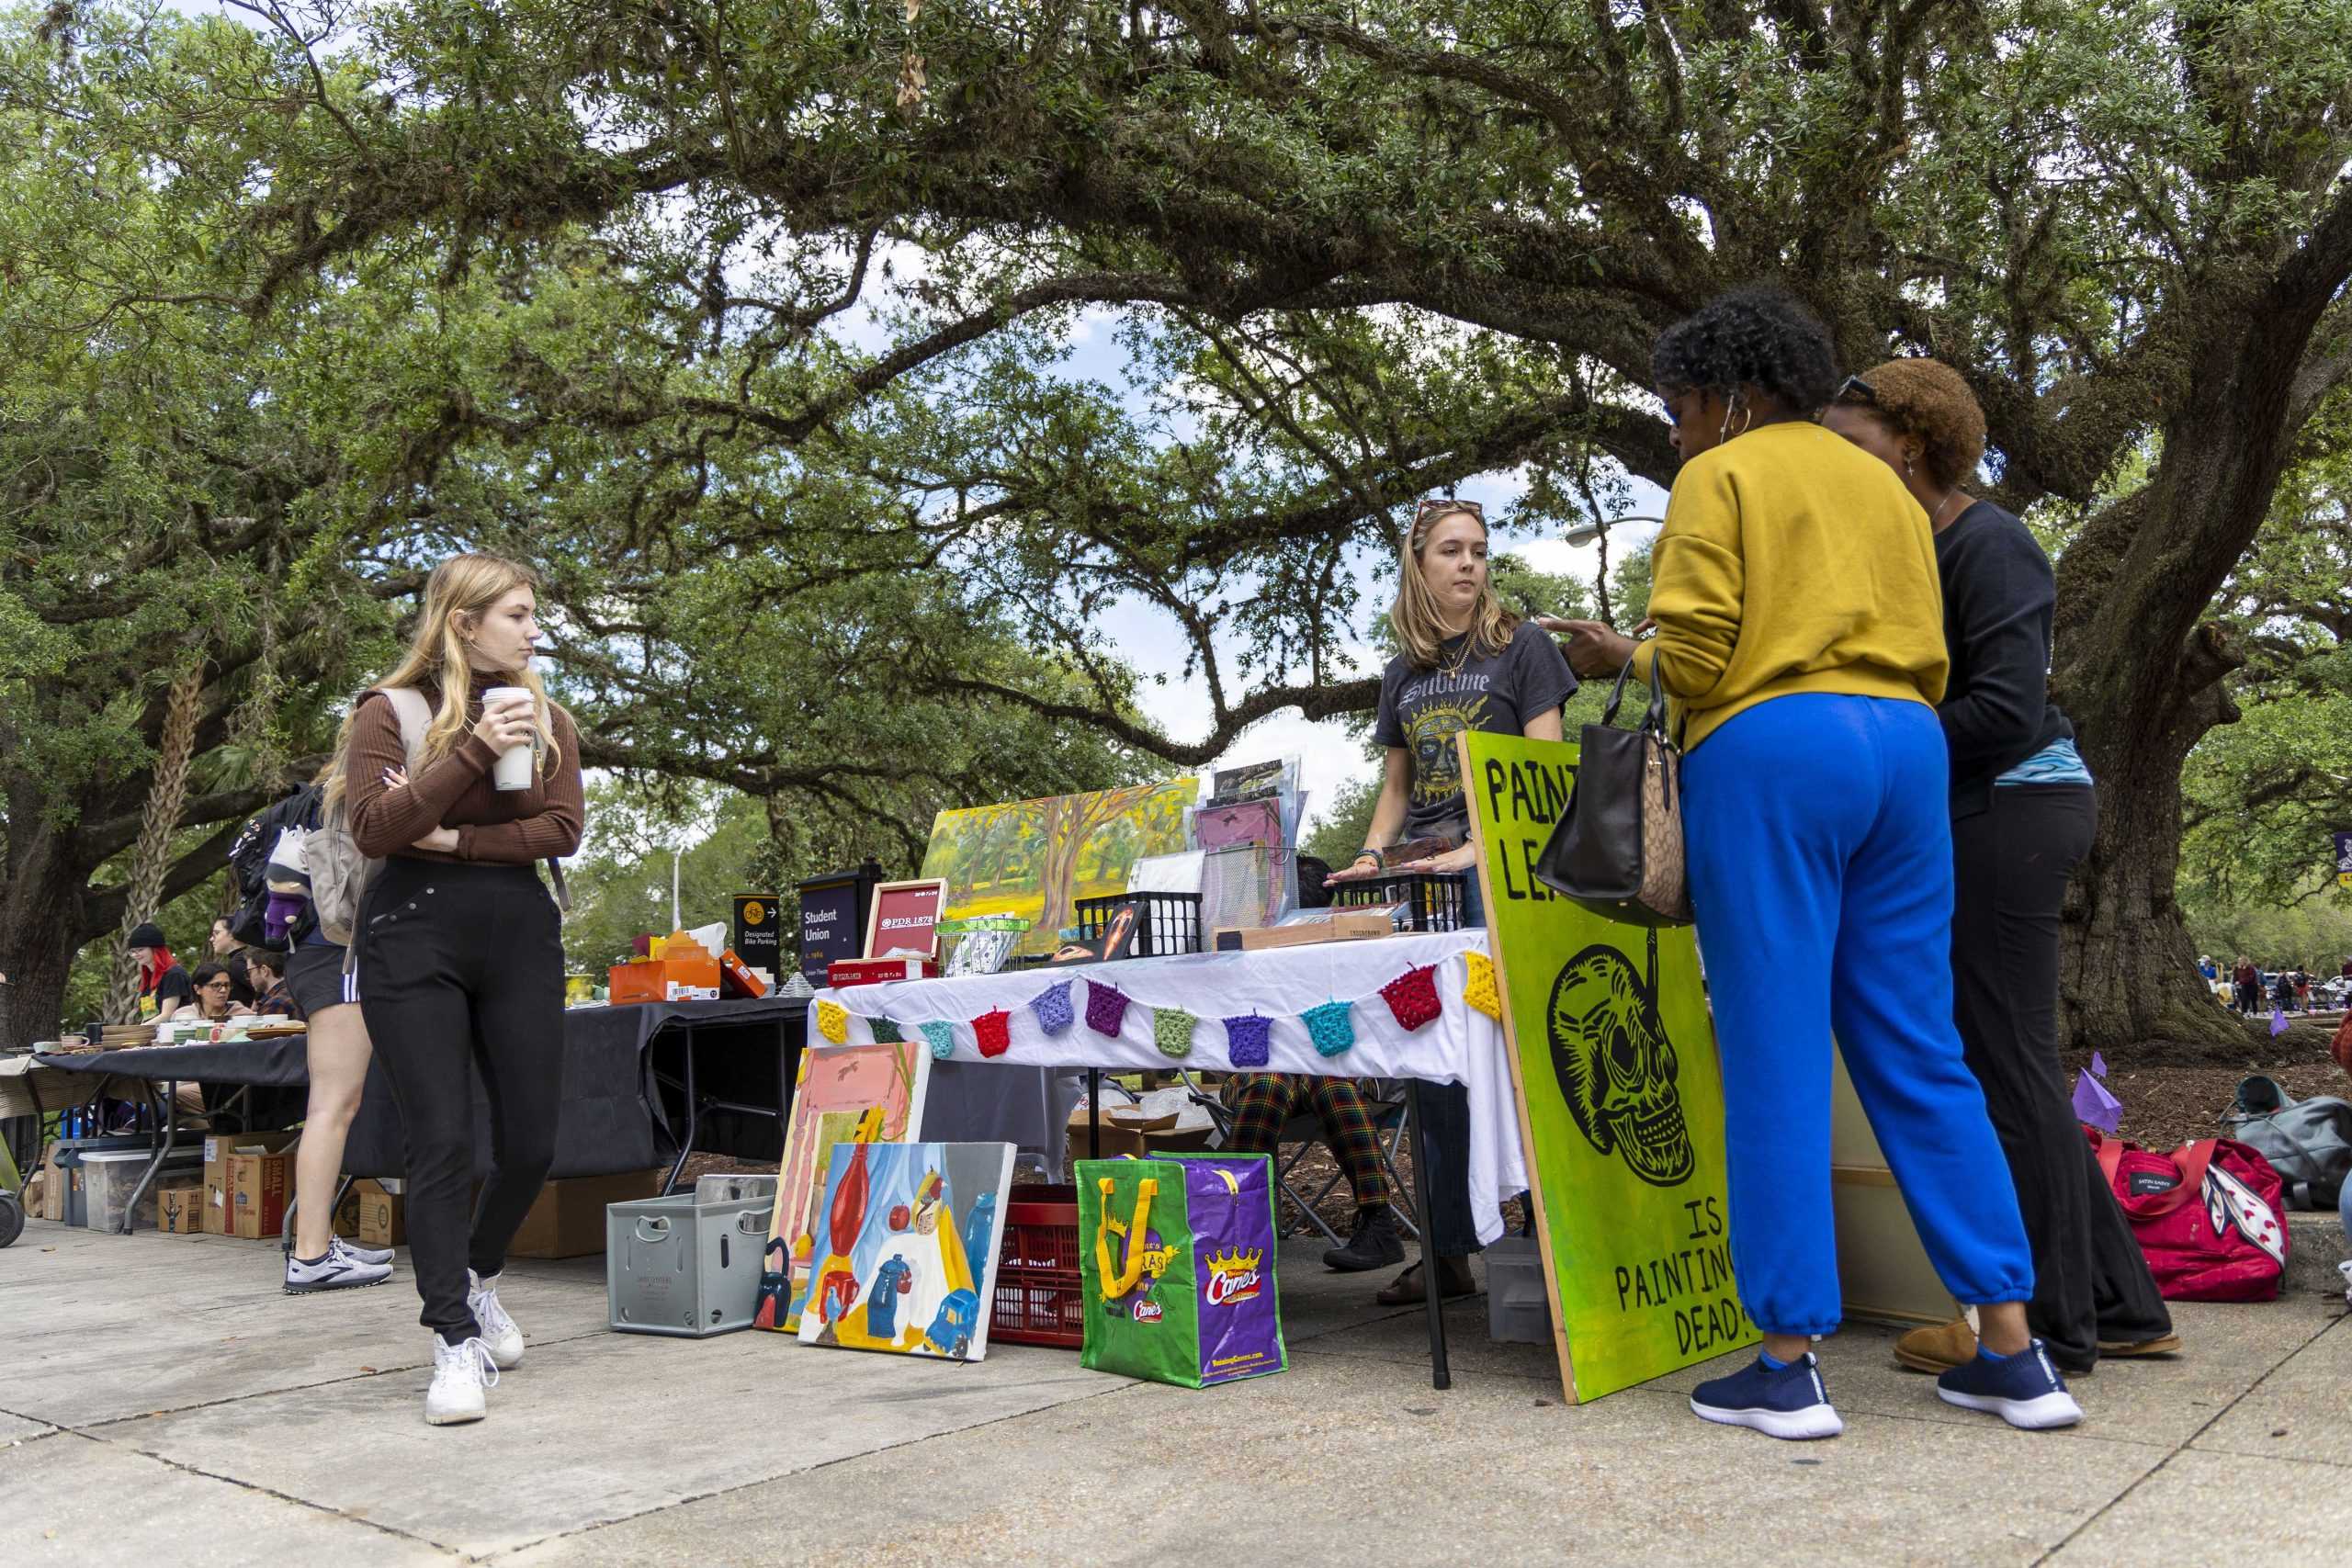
{"type": "Point", "coordinates": [2206, 1215]}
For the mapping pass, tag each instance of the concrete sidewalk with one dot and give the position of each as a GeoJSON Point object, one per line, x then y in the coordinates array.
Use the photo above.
{"type": "Point", "coordinates": [164, 1404]}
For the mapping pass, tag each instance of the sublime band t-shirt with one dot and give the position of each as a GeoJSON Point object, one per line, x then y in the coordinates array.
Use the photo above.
{"type": "Point", "coordinates": [1422, 710]}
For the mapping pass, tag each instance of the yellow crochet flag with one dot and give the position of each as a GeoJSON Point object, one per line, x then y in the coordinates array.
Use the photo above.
{"type": "Point", "coordinates": [1479, 989]}
{"type": "Point", "coordinates": [833, 1021]}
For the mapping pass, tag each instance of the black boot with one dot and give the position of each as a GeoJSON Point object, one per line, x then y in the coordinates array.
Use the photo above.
{"type": "Point", "coordinates": [1374, 1244]}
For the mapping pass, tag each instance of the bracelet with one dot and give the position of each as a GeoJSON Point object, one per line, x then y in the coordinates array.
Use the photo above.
{"type": "Point", "coordinates": [1368, 850]}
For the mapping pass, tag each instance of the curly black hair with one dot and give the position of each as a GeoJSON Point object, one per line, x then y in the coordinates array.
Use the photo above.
{"type": "Point", "coordinates": [1758, 335]}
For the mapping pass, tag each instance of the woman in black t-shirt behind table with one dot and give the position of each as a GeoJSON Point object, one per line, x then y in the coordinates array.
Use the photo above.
{"type": "Point", "coordinates": [2023, 814]}
{"type": "Point", "coordinates": [1467, 664]}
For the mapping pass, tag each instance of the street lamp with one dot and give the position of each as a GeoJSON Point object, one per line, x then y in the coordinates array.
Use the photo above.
{"type": "Point", "coordinates": [1591, 530]}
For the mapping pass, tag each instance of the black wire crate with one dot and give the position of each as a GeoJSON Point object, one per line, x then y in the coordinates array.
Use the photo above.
{"type": "Point", "coordinates": [1165, 922]}
{"type": "Point", "coordinates": [1433, 899]}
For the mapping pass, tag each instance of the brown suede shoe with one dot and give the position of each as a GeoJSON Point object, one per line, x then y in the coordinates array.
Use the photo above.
{"type": "Point", "coordinates": [2167, 1345]}
{"type": "Point", "coordinates": [1454, 1278]}
{"type": "Point", "coordinates": [1937, 1349]}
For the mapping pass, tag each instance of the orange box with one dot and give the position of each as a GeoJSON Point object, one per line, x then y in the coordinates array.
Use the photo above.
{"type": "Point", "coordinates": [257, 1188]}
{"type": "Point", "coordinates": [740, 978]}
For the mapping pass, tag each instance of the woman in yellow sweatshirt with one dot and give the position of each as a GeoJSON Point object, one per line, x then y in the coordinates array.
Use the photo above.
{"type": "Point", "coordinates": [1800, 638]}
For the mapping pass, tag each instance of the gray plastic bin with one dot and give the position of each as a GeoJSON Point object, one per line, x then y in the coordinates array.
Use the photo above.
{"type": "Point", "coordinates": [1518, 1312]}
{"type": "Point", "coordinates": [676, 1266]}
{"type": "Point", "coordinates": [734, 1186]}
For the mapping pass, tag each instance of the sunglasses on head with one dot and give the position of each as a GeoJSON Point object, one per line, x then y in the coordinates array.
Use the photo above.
{"type": "Point", "coordinates": [1438, 506]}
{"type": "Point", "coordinates": [1854, 389]}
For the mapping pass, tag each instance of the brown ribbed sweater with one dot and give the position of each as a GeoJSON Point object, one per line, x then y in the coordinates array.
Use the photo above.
{"type": "Point", "coordinates": [501, 827]}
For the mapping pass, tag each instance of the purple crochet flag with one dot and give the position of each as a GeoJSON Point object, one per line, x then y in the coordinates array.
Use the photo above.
{"type": "Point", "coordinates": [1105, 1006]}
{"type": "Point", "coordinates": [1245, 1040]}
{"type": "Point", "coordinates": [2093, 1105]}
{"type": "Point", "coordinates": [1052, 1008]}
{"type": "Point", "coordinates": [2098, 1065]}
{"type": "Point", "coordinates": [2277, 1022]}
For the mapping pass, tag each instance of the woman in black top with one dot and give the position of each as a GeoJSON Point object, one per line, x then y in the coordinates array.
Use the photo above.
{"type": "Point", "coordinates": [2024, 812]}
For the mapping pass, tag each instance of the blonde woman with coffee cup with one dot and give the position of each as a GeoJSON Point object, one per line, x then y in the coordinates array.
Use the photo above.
{"type": "Point", "coordinates": [460, 957]}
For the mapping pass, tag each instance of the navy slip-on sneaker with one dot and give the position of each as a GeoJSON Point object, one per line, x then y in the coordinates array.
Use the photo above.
{"type": "Point", "coordinates": [1786, 1403]}
{"type": "Point", "coordinates": [2024, 1390]}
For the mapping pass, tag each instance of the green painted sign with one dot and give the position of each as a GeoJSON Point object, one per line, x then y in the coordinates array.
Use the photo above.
{"type": "Point", "coordinates": [1620, 1095]}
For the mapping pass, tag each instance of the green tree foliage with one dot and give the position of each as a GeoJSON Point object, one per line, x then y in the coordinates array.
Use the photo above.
{"type": "Point", "coordinates": [1356, 256]}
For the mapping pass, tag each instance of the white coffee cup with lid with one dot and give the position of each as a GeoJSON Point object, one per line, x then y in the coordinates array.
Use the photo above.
{"type": "Point", "coordinates": [514, 765]}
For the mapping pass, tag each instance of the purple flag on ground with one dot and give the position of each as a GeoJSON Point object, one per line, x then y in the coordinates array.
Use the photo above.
{"type": "Point", "coordinates": [2277, 1021]}
{"type": "Point", "coordinates": [2093, 1105]}
{"type": "Point", "coordinates": [2098, 1065]}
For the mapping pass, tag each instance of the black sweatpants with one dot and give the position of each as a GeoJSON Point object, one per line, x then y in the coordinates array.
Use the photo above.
{"type": "Point", "coordinates": [2011, 864]}
{"type": "Point", "coordinates": [461, 966]}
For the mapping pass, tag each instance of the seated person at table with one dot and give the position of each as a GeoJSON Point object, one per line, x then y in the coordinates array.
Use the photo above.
{"type": "Point", "coordinates": [164, 986]}
{"type": "Point", "coordinates": [1262, 1102]}
{"type": "Point", "coordinates": [212, 995]}
{"type": "Point", "coordinates": [266, 971]}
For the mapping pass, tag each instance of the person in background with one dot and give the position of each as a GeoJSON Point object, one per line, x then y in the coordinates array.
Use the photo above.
{"type": "Point", "coordinates": [1467, 664]}
{"type": "Point", "coordinates": [336, 1052]}
{"type": "Point", "coordinates": [2283, 990]}
{"type": "Point", "coordinates": [459, 951]}
{"type": "Point", "coordinates": [1801, 639]}
{"type": "Point", "coordinates": [164, 989]}
{"type": "Point", "coordinates": [2024, 812]}
{"type": "Point", "coordinates": [214, 1001]}
{"type": "Point", "coordinates": [231, 955]}
{"type": "Point", "coordinates": [1263, 1102]}
{"type": "Point", "coordinates": [266, 971]}
{"type": "Point", "coordinates": [2248, 980]}
{"type": "Point", "coordinates": [2206, 967]}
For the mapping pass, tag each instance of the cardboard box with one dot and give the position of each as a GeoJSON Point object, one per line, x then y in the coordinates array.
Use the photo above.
{"type": "Point", "coordinates": [54, 1181]}
{"type": "Point", "coordinates": [569, 1219]}
{"type": "Point", "coordinates": [737, 979]}
{"type": "Point", "coordinates": [179, 1211]}
{"type": "Point", "coordinates": [1345, 925]}
{"type": "Point", "coordinates": [259, 1186]}
{"type": "Point", "coordinates": [382, 1219]}
{"type": "Point", "coordinates": [218, 1147]}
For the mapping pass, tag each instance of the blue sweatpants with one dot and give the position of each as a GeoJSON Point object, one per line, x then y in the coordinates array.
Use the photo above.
{"type": "Point", "coordinates": [1820, 870]}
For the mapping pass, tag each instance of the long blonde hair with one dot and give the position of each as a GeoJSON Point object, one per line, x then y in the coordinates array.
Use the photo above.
{"type": "Point", "coordinates": [467, 585]}
{"type": "Point", "coordinates": [1420, 629]}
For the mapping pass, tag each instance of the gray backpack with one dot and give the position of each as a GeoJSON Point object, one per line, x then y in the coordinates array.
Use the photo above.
{"type": "Point", "coordinates": [2307, 1142]}
{"type": "Point", "coordinates": [339, 873]}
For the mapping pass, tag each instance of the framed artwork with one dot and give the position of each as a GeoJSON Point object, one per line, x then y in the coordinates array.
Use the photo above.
{"type": "Point", "coordinates": [906, 916]}
{"type": "Point", "coordinates": [845, 1094]}
{"type": "Point", "coordinates": [907, 1247]}
{"type": "Point", "coordinates": [1037, 858]}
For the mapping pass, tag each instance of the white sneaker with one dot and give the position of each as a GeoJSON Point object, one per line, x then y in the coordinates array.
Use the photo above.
{"type": "Point", "coordinates": [498, 1334]}
{"type": "Point", "coordinates": [365, 1254]}
{"type": "Point", "coordinates": [338, 1270]}
{"type": "Point", "coordinates": [461, 1372]}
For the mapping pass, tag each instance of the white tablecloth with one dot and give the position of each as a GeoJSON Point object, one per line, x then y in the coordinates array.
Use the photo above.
{"type": "Point", "coordinates": [1460, 1045]}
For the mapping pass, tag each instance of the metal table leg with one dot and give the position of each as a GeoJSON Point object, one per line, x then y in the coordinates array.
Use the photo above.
{"type": "Point", "coordinates": [694, 1113]}
{"type": "Point", "coordinates": [1440, 1376]}
{"type": "Point", "coordinates": [170, 1117]}
{"type": "Point", "coordinates": [1093, 1113]}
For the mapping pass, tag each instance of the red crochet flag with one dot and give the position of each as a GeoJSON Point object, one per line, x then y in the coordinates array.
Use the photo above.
{"type": "Point", "coordinates": [995, 1031]}
{"type": "Point", "coordinates": [1412, 996]}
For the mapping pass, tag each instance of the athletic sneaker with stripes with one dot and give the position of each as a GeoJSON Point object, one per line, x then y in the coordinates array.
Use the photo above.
{"type": "Point", "coordinates": [461, 1374]}
{"type": "Point", "coordinates": [1779, 1401]}
{"type": "Point", "coordinates": [499, 1335]}
{"type": "Point", "coordinates": [2022, 1389]}
{"type": "Point", "coordinates": [342, 1268]}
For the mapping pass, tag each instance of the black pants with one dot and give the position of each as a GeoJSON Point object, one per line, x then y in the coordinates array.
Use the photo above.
{"type": "Point", "coordinates": [461, 966]}
{"type": "Point", "coordinates": [2011, 864]}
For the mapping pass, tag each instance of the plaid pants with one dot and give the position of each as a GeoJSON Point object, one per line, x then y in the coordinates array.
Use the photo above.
{"type": "Point", "coordinates": [1262, 1102]}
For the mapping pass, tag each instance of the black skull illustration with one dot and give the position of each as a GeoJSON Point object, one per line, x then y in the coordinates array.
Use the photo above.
{"type": "Point", "coordinates": [1616, 1067]}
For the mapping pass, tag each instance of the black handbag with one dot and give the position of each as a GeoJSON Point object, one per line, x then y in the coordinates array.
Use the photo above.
{"type": "Point", "coordinates": [1617, 849]}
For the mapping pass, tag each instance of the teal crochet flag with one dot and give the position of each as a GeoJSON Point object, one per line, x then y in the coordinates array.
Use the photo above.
{"type": "Point", "coordinates": [1330, 1027]}
{"type": "Point", "coordinates": [942, 1036]}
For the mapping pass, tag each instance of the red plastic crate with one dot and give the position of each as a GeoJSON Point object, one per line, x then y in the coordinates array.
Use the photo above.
{"type": "Point", "coordinates": [1040, 1299]}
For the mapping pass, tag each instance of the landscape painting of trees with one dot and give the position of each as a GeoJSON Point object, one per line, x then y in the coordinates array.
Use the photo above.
{"type": "Point", "coordinates": [1038, 858]}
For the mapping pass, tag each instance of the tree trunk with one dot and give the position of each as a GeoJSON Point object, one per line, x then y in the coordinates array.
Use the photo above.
{"type": "Point", "coordinates": [151, 859]}
{"type": "Point", "coordinates": [40, 919]}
